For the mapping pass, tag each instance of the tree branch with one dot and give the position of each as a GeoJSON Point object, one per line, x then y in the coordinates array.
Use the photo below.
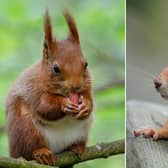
{"type": "Point", "coordinates": [102, 150]}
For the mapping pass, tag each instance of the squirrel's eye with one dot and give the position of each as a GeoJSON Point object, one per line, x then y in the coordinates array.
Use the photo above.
{"type": "Point", "coordinates": [86, 65]}
{"type": "Point", "coordinates": [56, 69]}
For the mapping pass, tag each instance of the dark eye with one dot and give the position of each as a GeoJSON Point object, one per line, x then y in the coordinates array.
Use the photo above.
{"type": "Point", "coordinates": [86, 65]}
{"type": "Point", "coordinates": [56, 69]}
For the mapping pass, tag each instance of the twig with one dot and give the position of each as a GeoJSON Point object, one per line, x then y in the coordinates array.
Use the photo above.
{"type": "Point", "coordinates": [102, 150]}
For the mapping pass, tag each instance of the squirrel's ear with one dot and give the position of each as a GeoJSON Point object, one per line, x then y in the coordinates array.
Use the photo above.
{"type": "Point", "coordinates": [49, 40]}
{"type": "Point", "coordinates": [73, 33]}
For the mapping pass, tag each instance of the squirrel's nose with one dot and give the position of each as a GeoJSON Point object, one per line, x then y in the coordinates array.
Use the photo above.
{"type": "Point", "coordinates": [75, 88]}
{"type": "Point", "coordinates": [157, 83]}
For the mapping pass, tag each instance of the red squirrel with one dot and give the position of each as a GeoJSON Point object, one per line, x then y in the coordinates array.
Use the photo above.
{"type": "Point", "coordinates": [49, 106]}
{"type": "Point", "coordinates": [161, 85]}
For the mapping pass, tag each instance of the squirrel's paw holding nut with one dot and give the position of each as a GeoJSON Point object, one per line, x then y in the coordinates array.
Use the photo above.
{"type": "Point", "coordinates": [44, 156]}
{"type": "Point", "coordinates": [83, 110]}
{"type": "Point", "coordinates": [147, 133]}
{"type": "Point", "coordinates": [70, 108]}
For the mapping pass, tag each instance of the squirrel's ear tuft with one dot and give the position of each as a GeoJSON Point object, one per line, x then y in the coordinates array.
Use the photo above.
{"type": "Point", "coordinates": [48, 37]}
{"type": "Point", "coordinates": [73, 33]}
{"type": "Point", "coordinates": [49, 40]}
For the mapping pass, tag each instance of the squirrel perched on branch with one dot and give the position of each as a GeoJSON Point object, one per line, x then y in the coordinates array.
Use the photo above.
{"type": "Point", "coordinates": [49, 106]}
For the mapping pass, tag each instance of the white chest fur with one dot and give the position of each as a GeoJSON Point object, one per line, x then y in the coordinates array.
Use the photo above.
{"type": "Point", "coordinates": [63, 133]}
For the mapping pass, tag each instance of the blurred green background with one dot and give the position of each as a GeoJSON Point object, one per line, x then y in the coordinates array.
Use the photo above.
{"type": "Point", "coordinates": [101, 28]}
{"type": "Point", "coordinates": [147, 48]}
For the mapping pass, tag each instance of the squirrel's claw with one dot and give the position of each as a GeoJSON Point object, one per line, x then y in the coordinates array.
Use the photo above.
{"type": "Point", "coordinates": [44, 156]}
{"type": "Point", "coordinates": [78, 149]}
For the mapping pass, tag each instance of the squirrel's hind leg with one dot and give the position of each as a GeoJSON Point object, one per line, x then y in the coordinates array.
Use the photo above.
{"type": "Point", "coordinates": [25, 139]}
{"type": "Point", "coordinates": [78, 148]}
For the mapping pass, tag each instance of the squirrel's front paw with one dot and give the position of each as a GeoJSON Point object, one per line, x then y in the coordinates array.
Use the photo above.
{"type": "Point", "coordinates": [147, 133]}
{"type": "Point", "coordinates": [44, 156]}
{"type": "Point", "coordinates": [84, 109]}
{"type": "Point", "coordinates": [69, 107]}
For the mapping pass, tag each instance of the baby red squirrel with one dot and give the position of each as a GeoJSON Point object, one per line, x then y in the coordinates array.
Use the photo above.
{"type": "Point", "coordinates": [161, 85]}
{"type": "Point", "coordinates": [49, 106]}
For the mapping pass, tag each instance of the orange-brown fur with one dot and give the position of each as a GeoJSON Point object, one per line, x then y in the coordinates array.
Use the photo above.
{"type": "Point", "coordinates": [39, 96]}
{"type": "Point", "coordinates": [78, 147]}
